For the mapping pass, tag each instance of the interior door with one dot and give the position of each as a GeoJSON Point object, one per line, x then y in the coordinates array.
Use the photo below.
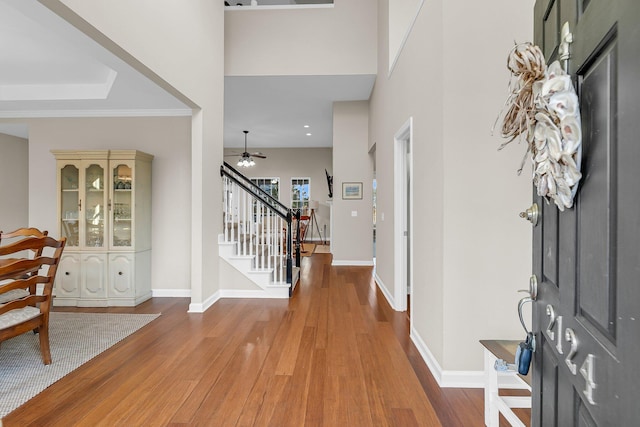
{"type": "Point", "coordinates": [587, 259]}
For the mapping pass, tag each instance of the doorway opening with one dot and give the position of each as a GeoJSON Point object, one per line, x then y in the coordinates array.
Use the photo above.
{"type": "Point", "coordinates": [403, 221]}
{"type": "Point", "coordinates": [374, 195]}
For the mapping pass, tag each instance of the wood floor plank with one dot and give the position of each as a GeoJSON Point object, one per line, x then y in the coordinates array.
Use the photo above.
{"type": "Point", "coordinates": [287, 362]}
{"type": "Point", "coordinates": [315, 398]}
{"type": "Point", "coordinates": [291, 410]}
{"type": "Point", "coordinates": [375, 385]}
{"type": "Point", "coordinates": [335, 354]}
{"type": "Point", "coordinates": [263, 400]}
{"type": "Point", "coordinates": [404, 417]}
{"type": "Point", "coordinates": [321, 299]}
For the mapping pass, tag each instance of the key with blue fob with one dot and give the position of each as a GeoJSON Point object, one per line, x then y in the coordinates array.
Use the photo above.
{"type": "Point", "coordinates": [523, 354]}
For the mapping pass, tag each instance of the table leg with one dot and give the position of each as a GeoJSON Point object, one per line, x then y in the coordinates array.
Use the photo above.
{"type": "Point", "coordinates": [491, 417]}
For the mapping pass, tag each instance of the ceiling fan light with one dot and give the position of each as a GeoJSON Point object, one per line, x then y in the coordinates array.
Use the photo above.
{"type": "Point", "coordinates": [246, 160]}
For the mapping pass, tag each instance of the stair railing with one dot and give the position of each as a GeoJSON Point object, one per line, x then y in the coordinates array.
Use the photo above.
{"type": "Point", "coordinates": [254, 221]}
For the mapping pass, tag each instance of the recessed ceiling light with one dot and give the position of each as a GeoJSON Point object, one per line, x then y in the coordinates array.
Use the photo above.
{"type": "Point", "coordinates": [306, 126]}
{"type": "Point", "coordinates": [308, 134]}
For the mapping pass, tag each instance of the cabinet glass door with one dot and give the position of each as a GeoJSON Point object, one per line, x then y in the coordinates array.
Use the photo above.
{"type": "Point", "coordinates": [122, 206]}
{"type": "Point", "coordinates": [94, 209]}
{"type": "Point", "coordinates": [70, 202]}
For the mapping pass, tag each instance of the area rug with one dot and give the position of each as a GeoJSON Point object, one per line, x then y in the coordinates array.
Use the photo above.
{"type": "Point", "coordinates": [323, 249]}
{"type": "Point", "coordinates": [75, 338]}
{"type": "Point", "coordinates": [308, 249]}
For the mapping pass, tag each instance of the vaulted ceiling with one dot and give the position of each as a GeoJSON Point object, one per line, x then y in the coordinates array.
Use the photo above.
{"type": "Point", "coordinates": [48, 68]}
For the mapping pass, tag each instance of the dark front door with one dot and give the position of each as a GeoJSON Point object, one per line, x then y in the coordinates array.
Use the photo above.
{"type": "Point", "coordinates": [587, 259]}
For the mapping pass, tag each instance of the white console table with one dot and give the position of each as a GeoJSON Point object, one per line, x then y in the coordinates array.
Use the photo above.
{"type": "Point", "coordinates": [494, 403]}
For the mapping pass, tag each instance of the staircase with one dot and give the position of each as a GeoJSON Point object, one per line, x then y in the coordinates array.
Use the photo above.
{"type": "Point", "coordinates": [257, 238]}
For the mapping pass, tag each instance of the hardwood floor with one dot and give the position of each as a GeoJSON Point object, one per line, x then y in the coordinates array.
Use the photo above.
{"type": "Point", "coordinates": [335, 354]}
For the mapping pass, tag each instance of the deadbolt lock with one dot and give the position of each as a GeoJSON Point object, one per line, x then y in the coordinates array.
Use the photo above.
{"type": "Point", "coordinates": [531, 214]}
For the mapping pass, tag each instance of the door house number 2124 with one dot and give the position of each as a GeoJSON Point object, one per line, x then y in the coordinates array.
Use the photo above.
{"type": "Point", "coordinates": [588, 366]}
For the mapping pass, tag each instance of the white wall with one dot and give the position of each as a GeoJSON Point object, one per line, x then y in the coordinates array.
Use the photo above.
{"type": "Point", "coordinates": [326, 41]}
{"type": "Point", "coordinates": [352, 242]}
{"type": "Point", "coordinates": [167, 138]}
{"type": "Point", "coordinates": [180, 46]}
{"type": "Point", "coordinates": [286, 163]}
{"type": "Point", "coordinates": [472, 251]}
{"type": "Point", "coordinates": [14, 183]}
{"type": "Point", "coordinates": [401, 16]}
{"type": "Point", "coordinates": [494, 269]}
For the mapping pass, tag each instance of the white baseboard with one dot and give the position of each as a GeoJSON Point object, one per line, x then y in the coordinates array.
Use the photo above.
{"type": "Point", "coordinates": [366, 263]}
{"type": "Point", "coordinates": [242, 293]}
{"type": "Point", "coordinates": [170, 293]}
{"type": "Point", "coordinates": [384, 290]}
{"type": "Point", "coordinates": [455, 379]}
{"type": "Point", "coordinates": [205, 305]}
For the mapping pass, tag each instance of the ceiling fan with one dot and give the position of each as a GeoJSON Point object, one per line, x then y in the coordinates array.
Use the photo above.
{"type": "Point", "coordinates": [246, 158]}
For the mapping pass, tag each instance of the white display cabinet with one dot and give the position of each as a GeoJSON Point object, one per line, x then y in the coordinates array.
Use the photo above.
{"type": "Point", "coordinates": [104, 211]}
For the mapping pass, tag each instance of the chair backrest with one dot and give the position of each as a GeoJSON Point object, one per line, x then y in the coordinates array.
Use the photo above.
{"type": "Point", "coordinates": [35, 244]}
{"type": "Point", "coordinates": [33, 265]}
{"type": "Point", "coordinates": [24, 232]}
{"type": "Point", "coordinates": [23, 309]}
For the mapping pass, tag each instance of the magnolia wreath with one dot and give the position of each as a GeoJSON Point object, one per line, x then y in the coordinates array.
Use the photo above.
{"type": "Point", "coordinates": [542, 108]}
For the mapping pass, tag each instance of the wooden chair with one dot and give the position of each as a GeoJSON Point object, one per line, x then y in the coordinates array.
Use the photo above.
{"type": "Point", "coordinates": [24, 232]}
{"type": "Point", "coordinates": [30, 312]}
{"type": "Point", "coordinates": [10, 253]}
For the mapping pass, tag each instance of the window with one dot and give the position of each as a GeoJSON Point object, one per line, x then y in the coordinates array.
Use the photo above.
{"type": "Point", "coordinates": [270, 186]}
{"type": "Point", "coordinates": [300, 190]}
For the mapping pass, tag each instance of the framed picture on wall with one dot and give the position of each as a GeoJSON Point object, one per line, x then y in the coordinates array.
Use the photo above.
{"type": "Point", "coordinates": [351, 190]}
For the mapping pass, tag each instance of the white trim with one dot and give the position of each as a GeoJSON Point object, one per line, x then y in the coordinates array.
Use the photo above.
{"type": "Point", "coordinates": [384, 291]}
{"type": "Point", "coordinates": [271, 292]}
{"type": "Point", "coordinates": [342, 262]}
{"type": "Point", "coordinates": [392, 64]}
{"type": "Point", "coordinates": [59, 92]}
{"type": "Point", "coordinates": [427, 356]}
{"type": "Point", "coordinates": [405, 133]}
{"type": "Point", "coordinates": [280, 7]}
{"type": "Point", "coordinates": [179, 112]}
{"type": "Point", "coordinates": [455, 379]}
{"type": "Point", "coordinates": [462, 379]}
{"type": "Point", "coordinates": [170, 293]}
{"type": "Point", "coordinates": [204, 306]}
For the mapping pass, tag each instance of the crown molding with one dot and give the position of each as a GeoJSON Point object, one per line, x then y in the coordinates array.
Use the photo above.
{"type": "Point", "coordinates": [94, 113]}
